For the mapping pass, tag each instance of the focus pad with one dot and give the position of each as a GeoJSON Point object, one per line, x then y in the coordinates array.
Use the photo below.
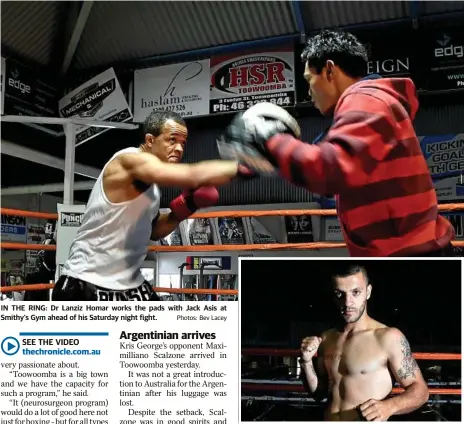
{"type": "Point", "coordinates": [238, 143]}
{"type": "Point", "coordinates": [264, 110]}
{"type": "Point", "coordinates": [245, 137]}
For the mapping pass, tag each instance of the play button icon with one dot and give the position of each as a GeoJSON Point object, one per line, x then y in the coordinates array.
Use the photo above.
{"type": "Point", "coordinates": [10, 346]}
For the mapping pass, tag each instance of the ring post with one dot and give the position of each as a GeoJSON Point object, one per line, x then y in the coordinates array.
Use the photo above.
{"type": "Point", "coordinates": [69, 160]}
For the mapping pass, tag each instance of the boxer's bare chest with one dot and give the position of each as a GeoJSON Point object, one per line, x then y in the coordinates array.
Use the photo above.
{"type": "Point", "coordinates": [353, 354]}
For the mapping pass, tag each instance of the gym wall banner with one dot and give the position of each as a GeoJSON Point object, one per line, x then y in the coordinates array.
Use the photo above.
{"type": "Point", "coordinates": [450, 189]}
{"type": "Point", "coordinates": [444, 154]}
{"type": "Point", "coordinates": [391, 56]}
{"type": "Point", "coordinates": [200, 231]}
{"type": "Point", "coordinates": [14, 229]}
{"type": "Point", "coordinates": [69, 220]}
{"type": "Point", "coordinates": [2, 84]}
{"type": "Point", "coordinates": [238, 81]}
{"type": "Point", "coordinates": [182, 88]}
{"type": "Point", "coordinates": [35, 235]}
{"type": "Point", "coordinates": [259, 233]}
{"type": "Point", "coordinates": [445, 58]}
{"type": "Point", "coordinates": [231, 230]}
{"type": "Point", "coordinates": [100, 98]}
{"type": "Point", "coordinates": [299, 229]}
{"type": "Point", "coordinates": [331, 229]}
{"type": "Point", "coordinates": [208, 262]}
{"type": "Point", "coordinates": [27, 93]}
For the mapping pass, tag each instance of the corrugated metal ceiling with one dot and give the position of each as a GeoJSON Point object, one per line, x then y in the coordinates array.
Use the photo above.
{"type": "Point", "coordinates": [31, 28]}
{"type": "Point", "coordinates": [429, 7]}
{"type": "Point", "coordinates": [121, 31]}
{"type": "Point", "coordinates": [329, 14]}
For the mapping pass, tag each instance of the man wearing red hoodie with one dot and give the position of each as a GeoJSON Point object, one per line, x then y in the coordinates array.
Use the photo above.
{"type": "Point", "coordinates": [369, 158]}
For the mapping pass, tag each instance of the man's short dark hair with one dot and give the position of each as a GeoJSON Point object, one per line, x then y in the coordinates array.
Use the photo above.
{"type": "Point", "coordinates": [347, 270]}
{"type": "Point", "coordinates": [155, 121]}
{"type": "Point", "coordinates": [342, 47]}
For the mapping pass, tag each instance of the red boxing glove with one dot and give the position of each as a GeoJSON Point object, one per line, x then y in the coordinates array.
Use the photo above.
{"type": "Point", "coordinates": [193, 199]}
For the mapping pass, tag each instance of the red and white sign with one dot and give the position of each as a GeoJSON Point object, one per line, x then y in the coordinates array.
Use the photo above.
{"type": "Point", "coordinates": [239, 81]}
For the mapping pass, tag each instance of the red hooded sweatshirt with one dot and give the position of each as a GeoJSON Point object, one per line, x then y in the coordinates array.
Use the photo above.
{"type": "Point", "coordinates": [371, 160]}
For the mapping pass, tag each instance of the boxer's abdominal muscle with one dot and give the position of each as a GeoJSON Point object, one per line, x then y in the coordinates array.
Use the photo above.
{"type": "Point", "coordinates": [358, 371]}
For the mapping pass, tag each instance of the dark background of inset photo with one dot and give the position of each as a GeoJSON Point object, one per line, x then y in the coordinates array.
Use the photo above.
{"type": "Point", "coordinates": [285, 300]}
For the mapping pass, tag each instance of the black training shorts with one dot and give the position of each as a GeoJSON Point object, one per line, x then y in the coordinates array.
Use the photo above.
{"type": "Point", "coordinates": [74, 289]}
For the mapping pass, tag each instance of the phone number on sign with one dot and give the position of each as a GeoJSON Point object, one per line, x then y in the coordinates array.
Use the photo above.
{"type": "Point", "coordinates": [180, 109]}
{"type": "Point", "coordinates": [242, 105]}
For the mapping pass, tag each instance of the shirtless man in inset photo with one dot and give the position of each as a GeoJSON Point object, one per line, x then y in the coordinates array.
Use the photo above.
{"type": "Point", "coordinates": [355, 362]}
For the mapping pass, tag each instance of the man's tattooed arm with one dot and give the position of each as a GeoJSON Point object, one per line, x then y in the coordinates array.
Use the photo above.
{"type": "Point", "coordinates": [409, 365]}
{"type": "Point", "coordinates": [407, 373]}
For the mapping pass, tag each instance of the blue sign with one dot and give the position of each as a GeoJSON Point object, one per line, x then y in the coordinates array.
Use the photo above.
{"type": "Point", "coordinates": [326, 202]}
{"type": "Point", "coordinates": [460, 190]}
{"type": "Point", "coordinates": [457, 220]}
{"type": "Point", "coordinates": [444, 154]}
{"type": "Point", "coordinates": [13, 229]}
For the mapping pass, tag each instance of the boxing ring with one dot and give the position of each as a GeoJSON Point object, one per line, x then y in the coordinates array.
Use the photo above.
{"type": "Point", "coordinates": [70, 125]}
{"type": "Point", "coordinates": [208, 248]}
{"type": "Point", "coordinates": [290, 391]}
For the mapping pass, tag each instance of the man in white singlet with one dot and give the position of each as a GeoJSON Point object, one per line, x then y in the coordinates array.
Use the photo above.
{"type": "Point", "coordinates": [122, 213]}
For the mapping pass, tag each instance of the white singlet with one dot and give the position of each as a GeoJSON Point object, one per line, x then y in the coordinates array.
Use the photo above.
{"type": "Point", "coordinates": [111, 244]}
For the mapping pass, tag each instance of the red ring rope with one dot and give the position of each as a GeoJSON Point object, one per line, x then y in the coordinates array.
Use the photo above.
{"type": "Point", "coordinates": [300, 388]}
{"type": "Point", "coordinates": [35, 287]}
{"type": "Point", "coordinates": [450, 207]}
{"type": "Point", "coordinates": [295, 353]}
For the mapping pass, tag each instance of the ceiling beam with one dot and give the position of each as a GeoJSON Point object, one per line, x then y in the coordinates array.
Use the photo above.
{"type": "Point", "coordinates": [415, 12]}
{"type": "Point", "coordinates": [299, 20]}
{"type": "Point", "coordinates": [76, 25]}
{"type": "Point", "coordinates": [21, 152]}
{"type": "Point", "coordinates": [45, 188]}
